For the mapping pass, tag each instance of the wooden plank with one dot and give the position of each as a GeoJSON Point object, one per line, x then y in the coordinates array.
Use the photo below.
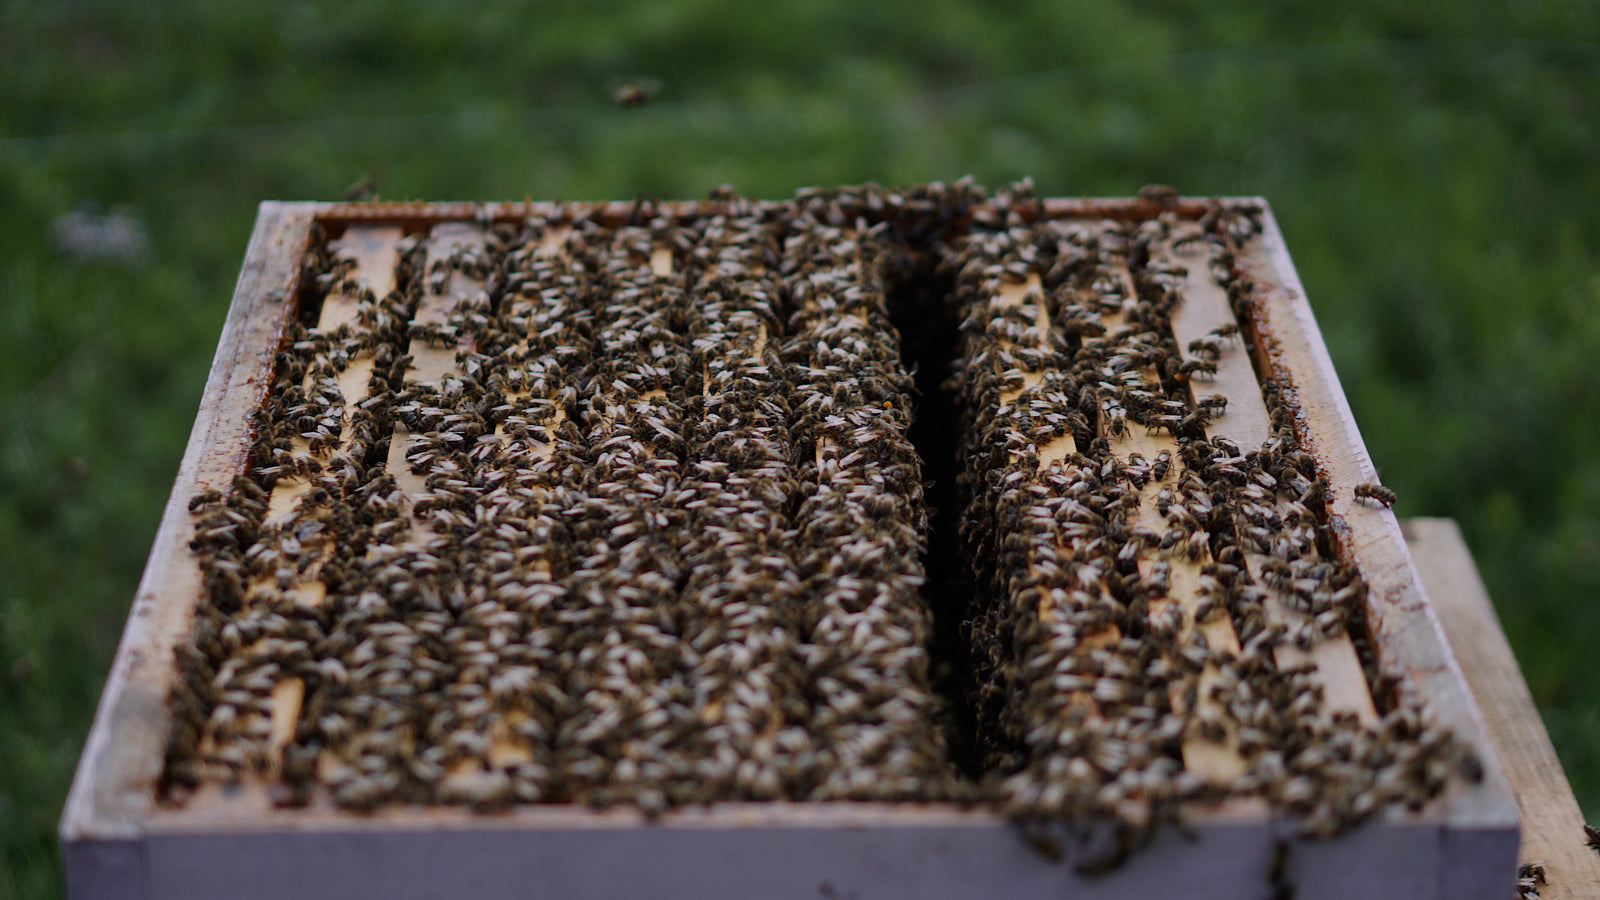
{"type": "Point", "coordinates": [784, 850]}
{"type": "Point", "coordinates": [1203, 309]}
{"type": "Point", "coordinates": [1407, 631]}
{"type": "Point", "coordinates": [494, 861]}
{"type": "Point", "coordinates": [1552, 823]}
{"type": "Point", "coordinates": [1022, 289]}
{"type": "Point", "coordinates": [418, 215]}
{"type": "Point", "coordinates": [735, 325]}
{"type": "Point", "coordinates": [824, 445]}
{"type": "Point", "coordinates": [1218, 761]}
{"type": "Point", "coordinates": [504, 748]}
{"type": "Point", "coordinates": [1014, 294]}
{"type": "Point", "coordinates": [445, 288]}
{"type": "Point", "coordinates": [373, 252]}
{"type": "Point", "coordinates": [861, 650]}
{"type": "Point", "coordinates": [122, 759]}
{"type": "Point", "coordinates": [807, 856]}
{"type": "Point", "coordinates": [627, 314]}
{"type": "Point", "coordinates": [1245, 421]}
{"type": "Point", "coordinates": [430, 364]}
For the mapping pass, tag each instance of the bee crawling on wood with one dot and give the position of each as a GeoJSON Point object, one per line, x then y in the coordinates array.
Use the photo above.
{"type": "Point", "coordinates": [1591, 836]}
{"type": "Point", "coordinates": [205, 498]}
{"type": "Point", "coordinates": [1163, 465]}
{"type": "Point", "coordinates": [1215, 404]}
{"type": "Point", "coordinates": [1187, 369]}
{"type": "Point", "coordinates": [1530, 875]}
{"type": "Point", "coordinates": [1376, 493]}
{"type": "Point", "coordinates": [1159, 194]}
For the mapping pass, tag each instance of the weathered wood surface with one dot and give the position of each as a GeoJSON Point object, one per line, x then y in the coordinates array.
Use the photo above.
{"type": "Point", "coordinates": [418, 216]}
{"type": "Point", "coordinates": [115, 785]}
{"type": "Point", "coordinates": [118, 842]}
{"type": "Point", "coordinates": [1552, 824]}
{"type": "Point", "coordinates": [807, 855]}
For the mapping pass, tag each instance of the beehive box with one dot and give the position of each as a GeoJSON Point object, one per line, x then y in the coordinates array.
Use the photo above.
{"type": "Point", "coordinates": [158, 816]}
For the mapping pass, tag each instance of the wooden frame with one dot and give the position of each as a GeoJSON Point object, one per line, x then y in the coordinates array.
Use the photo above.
{"type": "Point", "coordinates": [1552, 823]}
{"type": "Point", "coordinates": [117, 841]}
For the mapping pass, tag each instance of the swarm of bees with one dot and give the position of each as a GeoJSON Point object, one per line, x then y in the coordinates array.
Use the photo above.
{"type": "Point", "coordinates": [654, 530]}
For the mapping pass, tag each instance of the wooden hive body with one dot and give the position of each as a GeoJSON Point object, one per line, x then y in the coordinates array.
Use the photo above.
{"type": "Point", "coordinates": [120, 839]}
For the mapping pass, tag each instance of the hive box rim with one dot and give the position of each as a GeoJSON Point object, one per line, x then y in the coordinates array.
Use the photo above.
{"type": "Point", "coordinates": [111, 814]}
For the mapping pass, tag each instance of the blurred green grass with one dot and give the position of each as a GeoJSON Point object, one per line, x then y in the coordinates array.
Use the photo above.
{"type": "Point", "coordinates": [1433, 174]}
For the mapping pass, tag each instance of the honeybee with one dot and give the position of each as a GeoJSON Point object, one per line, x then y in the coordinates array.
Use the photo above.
{"type": "Point", "coordinates": [1375, 493]}
{"type": "Point", "coordinates": [1159, 194]}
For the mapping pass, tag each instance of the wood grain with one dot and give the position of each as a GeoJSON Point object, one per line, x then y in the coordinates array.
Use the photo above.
{"type": "Point", "coordinates": [1552, 823]}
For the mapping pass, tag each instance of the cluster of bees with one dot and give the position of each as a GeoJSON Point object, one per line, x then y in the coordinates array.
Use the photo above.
{"type": "Point", "coordinates": [654, 531]}
{"type": "Point", "coordinates": [1094, 681]}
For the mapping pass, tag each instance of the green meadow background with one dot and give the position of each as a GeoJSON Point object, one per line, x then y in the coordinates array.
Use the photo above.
{"type": "Point", "coordinates": [1434, 175]}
